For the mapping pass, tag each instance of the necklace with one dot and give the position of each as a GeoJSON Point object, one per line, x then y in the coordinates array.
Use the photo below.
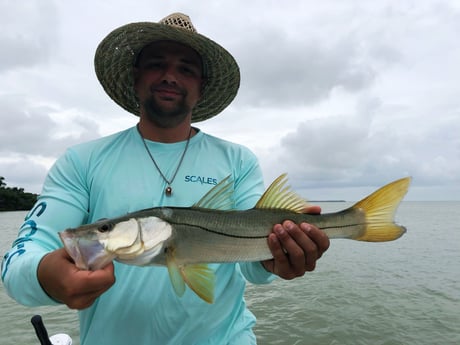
{"type": "Point", "coordinates": [168, 190]}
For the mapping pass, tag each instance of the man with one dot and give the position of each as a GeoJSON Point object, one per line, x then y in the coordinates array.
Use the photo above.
{"type": "Point", "coordinates": [170, 76]}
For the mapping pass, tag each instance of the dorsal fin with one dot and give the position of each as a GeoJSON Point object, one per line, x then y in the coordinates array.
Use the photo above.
{"type": "Point", "coordinates": [279, 196]}
{"type": "Point", "coordinates": [219, 197]}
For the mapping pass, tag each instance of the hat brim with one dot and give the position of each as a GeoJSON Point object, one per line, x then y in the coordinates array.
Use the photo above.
{"type": "Point", "coordinates": [118, 51]}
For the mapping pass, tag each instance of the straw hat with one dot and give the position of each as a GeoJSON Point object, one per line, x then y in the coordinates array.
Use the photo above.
{"type": "Point", "coordinates": [117, 54]}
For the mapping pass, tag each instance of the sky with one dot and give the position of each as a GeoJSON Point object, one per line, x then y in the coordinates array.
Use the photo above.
{"type": "Point", "coordinates": [344, 96]}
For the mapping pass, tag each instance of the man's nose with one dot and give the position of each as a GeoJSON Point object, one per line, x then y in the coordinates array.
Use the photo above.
{"type": "Point", "coordinates": [169, 75]}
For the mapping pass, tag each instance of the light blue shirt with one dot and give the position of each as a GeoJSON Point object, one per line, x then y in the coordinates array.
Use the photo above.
{"type": "Point", "coordinates": [110, 177]}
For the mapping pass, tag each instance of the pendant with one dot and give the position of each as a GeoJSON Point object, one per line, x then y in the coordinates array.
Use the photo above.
{"type": "Point", "coordinates": [168, 191]}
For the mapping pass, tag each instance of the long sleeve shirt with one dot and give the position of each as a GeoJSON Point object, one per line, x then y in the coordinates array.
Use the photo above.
{"type": "Point", "coordinates": [110, 177]}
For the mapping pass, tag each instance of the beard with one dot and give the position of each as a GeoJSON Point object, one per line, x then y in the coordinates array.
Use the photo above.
{"type": "Point", "coordinates": [166, 118]}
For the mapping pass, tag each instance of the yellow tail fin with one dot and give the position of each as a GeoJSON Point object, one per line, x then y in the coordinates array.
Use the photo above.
{"type": "Point", "coordinates": [379, 208]}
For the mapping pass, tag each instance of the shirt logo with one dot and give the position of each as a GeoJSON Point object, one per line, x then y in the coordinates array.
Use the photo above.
{"type": "Point", "coordinates": [201, 179]}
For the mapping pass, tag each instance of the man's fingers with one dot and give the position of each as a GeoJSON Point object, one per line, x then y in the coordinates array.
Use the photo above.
{"type": "Point", "coordinates": [64, 282]}
{"type": "Point", "coordinates": [295, 249]}
{"type": "Point", "coordinates": [294, 244]}
{"type": "Point", "coordinates": [276, 247]}
{"type": "Point", "coordinates": [318, 236]}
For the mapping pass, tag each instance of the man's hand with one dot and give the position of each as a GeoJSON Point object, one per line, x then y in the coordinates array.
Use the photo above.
{"type": "Point", "coordinates": [295, 248]}
{"type": "Point", "coordinates": [64, 282]}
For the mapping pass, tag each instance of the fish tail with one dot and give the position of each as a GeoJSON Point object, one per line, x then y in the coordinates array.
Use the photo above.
{"type": "Point", "coordinates": [379, 209]}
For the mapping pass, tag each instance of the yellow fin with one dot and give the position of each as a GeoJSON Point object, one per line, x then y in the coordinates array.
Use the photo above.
{"type": "Point", "coordinates": [219, 197]}
{"type": "Point", "coordinates": [277, 196]}
{"type": "Point", "coordinates": [379, 209]}
{"type": "Point", "coordinates": [201, 279]}
{"type": "Point", "coordinates": [175, 275]}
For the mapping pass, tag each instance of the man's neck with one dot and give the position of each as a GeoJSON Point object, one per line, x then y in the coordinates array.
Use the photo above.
{"type": "Point", "coordinates": [152, 132]}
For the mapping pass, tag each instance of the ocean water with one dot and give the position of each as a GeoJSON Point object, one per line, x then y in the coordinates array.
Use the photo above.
{"type": "Point", "coordinates": [402, 292]}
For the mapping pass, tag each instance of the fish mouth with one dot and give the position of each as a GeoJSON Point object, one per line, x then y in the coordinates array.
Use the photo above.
{"type": "Point", "coordinates": [87, 254]}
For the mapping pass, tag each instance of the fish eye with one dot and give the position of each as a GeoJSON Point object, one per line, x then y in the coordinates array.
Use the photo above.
{"type": "Point", "coordinates": [105, 227]}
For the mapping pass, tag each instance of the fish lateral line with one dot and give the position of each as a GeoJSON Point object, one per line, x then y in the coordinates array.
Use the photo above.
{"type": "Point", "coordinates": [325, 227]}
{"type": "Point", "coordinates": [219, 232]}
{"type": "Point", "coordinates": [351, 225]}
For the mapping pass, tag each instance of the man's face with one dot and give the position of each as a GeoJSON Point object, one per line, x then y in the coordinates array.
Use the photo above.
{"type": "Point", "coordinates": [168, 82]}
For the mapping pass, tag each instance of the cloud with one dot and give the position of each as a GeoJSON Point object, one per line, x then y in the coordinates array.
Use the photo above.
{"type": "Point", "coordinates": [283, 70]}
{"type": "Point", "coordinates": [296, 75]}
{"type": "Point", "coordinates": [24, 172]}
{"type": "Point", "coordinates": [32, 136]}
{"type": "Point", "coordinates": [28, 34]}
{"type": "Point", "coordinates": [362, 149]}
{"type": "Point", "coordinates": [337, 94]}
{"type": "Point", "coordinates": [40, 129]}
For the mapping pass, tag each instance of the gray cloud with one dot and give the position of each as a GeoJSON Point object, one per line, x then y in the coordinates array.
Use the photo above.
{"type": "Point", "coordinates": [283, 71]}
{"type": "Point", "coordinates": [335, 93]}
{"type": "Point", "coordinates": [30, 129]}
{"type": "Point", "coordinates": [29, 32]}
{"type": "Point", "coordinates": [24, 173]}
{"type": "Point", "coordinates": [361, 150]}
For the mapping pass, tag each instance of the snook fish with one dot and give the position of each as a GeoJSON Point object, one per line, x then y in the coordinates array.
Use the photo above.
{"type": "Point", "coordinates": [185, 239]}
